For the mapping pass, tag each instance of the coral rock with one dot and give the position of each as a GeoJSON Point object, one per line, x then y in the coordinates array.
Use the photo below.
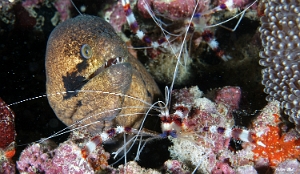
{"type": "Point", "coordinates": [173, 9]}
{"type": "Point", "coordinates": [279, 146]}
{"type": "Point", "coordinates": [230, 96]}
{"type": "Point", "coordinates": [67, 158]}
{"type": "Point", "coordinates": [7, 125]}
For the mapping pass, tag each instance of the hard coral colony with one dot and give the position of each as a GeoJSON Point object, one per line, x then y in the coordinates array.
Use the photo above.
{"type": "Point", "coordinates": [199, 128]}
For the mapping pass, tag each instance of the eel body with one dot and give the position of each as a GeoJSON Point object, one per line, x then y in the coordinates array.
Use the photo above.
{"type": "Point", "coordinates": [90, 73]}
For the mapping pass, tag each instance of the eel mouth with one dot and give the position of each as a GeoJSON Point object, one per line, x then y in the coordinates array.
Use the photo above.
{"type": "Point", "coordinates": [74, 82]}
{"type": "Point", "coordinates": [107, 64]}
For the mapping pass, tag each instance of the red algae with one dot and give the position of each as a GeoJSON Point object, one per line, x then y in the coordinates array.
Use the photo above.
{"type": "Point", "coordinates": [7, 125]}
{"type": "Point", "coordinates": [277, 148]}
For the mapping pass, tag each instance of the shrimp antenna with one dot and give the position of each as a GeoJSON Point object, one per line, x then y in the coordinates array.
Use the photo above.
{"type": "Point", "coordinates": [75, 7]}
{"type": "Point", "coordinates": [168, 92]}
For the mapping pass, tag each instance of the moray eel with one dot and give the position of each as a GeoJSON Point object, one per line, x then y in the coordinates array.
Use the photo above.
{"type": "Point", "coordinates": [86, 62]}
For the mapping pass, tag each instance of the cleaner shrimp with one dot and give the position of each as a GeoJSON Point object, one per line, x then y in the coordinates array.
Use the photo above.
{"type": "Point", "coordinates": [173, 123]}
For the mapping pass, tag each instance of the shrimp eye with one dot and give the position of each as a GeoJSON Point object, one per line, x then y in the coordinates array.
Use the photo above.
{"type": "Point", "coordinates": [86, 51]}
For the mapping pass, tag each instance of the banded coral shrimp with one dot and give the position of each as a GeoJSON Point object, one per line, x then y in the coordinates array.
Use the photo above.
{"type": "Point", "coordinates": [176, 120]}
{"type": "Point", "coordinates": [165, 41]}
{"type": "Point", "coordinates": [167, 100]}
{"type": "Point", "coordinates": [200, 62]}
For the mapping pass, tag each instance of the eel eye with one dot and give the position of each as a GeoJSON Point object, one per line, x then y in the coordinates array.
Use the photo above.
{"type": "Point", "coordinates": [86, 51]}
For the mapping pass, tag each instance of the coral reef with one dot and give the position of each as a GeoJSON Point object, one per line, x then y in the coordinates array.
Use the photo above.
{"type": "Point", "coordinates": [5, 11]}
{"type": "Point", "coordinates": [204, 136]}
{"type": "Point", "coordinates": [176, 167]}
{"type": "Point", "coordinates": [279, 145]}
{"type": "Point", "coordinates": [174, 10]}
{"type": "Point", "coordinates": [63, 9]}
{"type": "Point", "coordinates": [201, 137]}
{"type": "Point", "coordinates": [230, 96]}
{"type": "Point", "coordinates": [66, 158]}
{"type": "Point", "coordinates": [133, 168]}
{"type": "Point", "coordinates": [289, 166]}
{"type": "Point", "coordinates": [115, 15]}
{"type": "Point", "coordinates": [280, 39]}
{"type": "Point", "coordinates": [207, 149]}
{"type": "Point", "coordinates": [267, 144]}
{"type": "Point", "coordinates": [7, 138]}
{"type": "Point", "coordinates": [7, 125]}
{"type": "Point", "coordinates": [34, 14]}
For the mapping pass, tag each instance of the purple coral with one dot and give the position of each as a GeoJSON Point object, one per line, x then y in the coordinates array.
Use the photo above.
{"type": "Point", "coordinates": [34, 159]}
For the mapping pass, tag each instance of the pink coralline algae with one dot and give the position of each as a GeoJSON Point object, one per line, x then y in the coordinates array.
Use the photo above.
{"type": "Point", "coordinates": [235, 3]}
{"type": "Point", "coordinates": [222, 168]}
{"type": "Point", "coordinates": [33, 159]}
{"type": "Point", "coordinates": [174, 9]}
{"type": "Point", "coordinates": [7, 167]}
{"type": "Point", "coordinates": [31, 3]}
{"type": "Point", "coordinates": [230, 96]}
{"type": "Point", "coordinates": [63, 8]}
{"type": "Point", "coordinates": [175, 167]}
{"type": "Point", "coordinates": [115, 15]}
{"type": "Point", "coordinates": [67, 158]}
